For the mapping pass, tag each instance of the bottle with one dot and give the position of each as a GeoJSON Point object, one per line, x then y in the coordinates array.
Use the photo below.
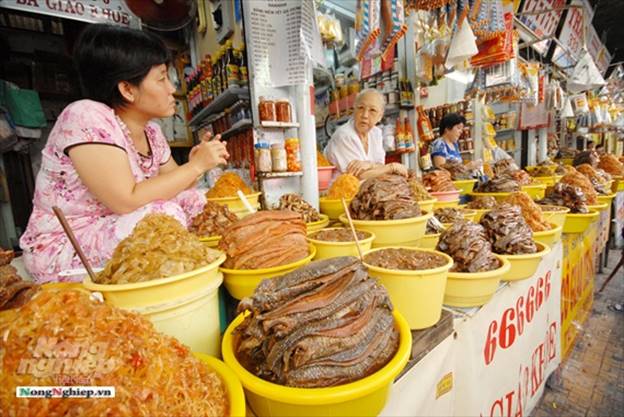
{"type": "Point", "coordinates": [425, 132]}
{"type": "Point", "coordinates": [232, 65]}
{"type": "Point", "coordinates": [409, 137]}
{"type": "Point", "coordinates": [243, 75]}
{"type": "Point", "coordinates": [399, 137]}
{"type": "Point", "coordinates": [216, 76]}
{"type": "Point", "coordinates": [279, 158]}
{"type": "Point", "coordinates": [424, 158]}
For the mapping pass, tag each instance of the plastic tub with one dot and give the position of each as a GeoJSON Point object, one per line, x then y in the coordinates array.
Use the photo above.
{"type": "Point", "coordinates": [429, 241]}
{"type": "Point", "coordinates": [365, 397]}
{"type": "Point", "coordinates": [331, 207]}
{"type": "Point", "coordinates": [241, 283]}
{"type": "Point", "coordinates": [417, 295]}
{"type": "Point", "coordinates": [210, 241]}
{"type": "Point", "coordinates": [579, 222]}
{"type": "Point", "coordinates": [318, 225]}
{"type": "Point", "coordinates": [326, 249]}
{"type": "Point", "coordinates": [193, 320]}
{"type": "Point", "coordinates": [547, 181]}
{"type": "Point", "coordinates": [473, 289]}
{"type": "Point", "coordinates": [535, 191]}
{"type": "Point", "coordinates": [531, 168]}
{"type": "Point", "coordinates": [325, 176]}
{"type": "Point", "coordinates": [427, 205]}
{"type": "Point", "coordinates": [236, 396]}
{"type": "Point", "coordinates": [445, 204]}
{"type": "Point", "coordinates": [469, 214]}
{"type": "Point", "coordinates": [235, 204]}
{"type": "Point", "coordinates": [500, 197]}
{"type": "Point", "coordinates": [446, 195]}
{"type": "Point", "coordinates": [606, 199]}
{"type": "Point", "coordinates": [555, 214]}
{"type": "Point", "coordinates": [549, 237]}
{"type": "Point", "coordinates": [565, 161]}
{"type": "Point", "coordinates": [599, 206]}
{"type": "Point", "coordinates": [464, 186]}
{"type": "Point", "coordinates": [404, 232]}
{"type": "Point", "coordinates": [148, 293]}
{"type": "Point", "coordinates": [478, 213]}
{"type": "Point", "coordinates": [618, 184]}
{"type": "Point", "coordinates": [524, 266]}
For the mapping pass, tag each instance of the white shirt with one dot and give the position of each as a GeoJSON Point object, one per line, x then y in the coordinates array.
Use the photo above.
{"type": "Point", "coordinates": [345, 146]}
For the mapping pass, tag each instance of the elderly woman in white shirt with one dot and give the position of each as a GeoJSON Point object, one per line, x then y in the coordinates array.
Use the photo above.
{"type": "Point", "coordinates": [357, 146]}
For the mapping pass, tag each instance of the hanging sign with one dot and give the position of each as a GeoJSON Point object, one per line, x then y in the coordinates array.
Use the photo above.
{"type": "Point", "coordinates": [91, 11]}
{"type": "Point", "coordinates": [571, 36]}
{"type": "Point", "coordinates": [542, 24]}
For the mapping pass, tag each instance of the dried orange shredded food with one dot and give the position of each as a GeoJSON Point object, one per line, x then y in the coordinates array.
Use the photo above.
{"type": "Point", "coordinates": [439, 181]}
{"type": "Point", "coordinates": [322, 161]}
{"type": "Point", "coordinates": [419, 192]}
{"type": "Point", "coordinates": [158, 247]}
{"type": "Point", "coordinates": [212, 221]}
{"type": "Point", "coordinates": [345, 186]}
{"type": "Point", "coordinates": [227, 185]}
{"type": "Point", "coordinates": [611, 165]}
{"type": "Point", "coordinates": [579, 180]}
{"type": "Point", "coordinates": [85, 342]}
{"type": "Point", "coordinates": [531, 212]}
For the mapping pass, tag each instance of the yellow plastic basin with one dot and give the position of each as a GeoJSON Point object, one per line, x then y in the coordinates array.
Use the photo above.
{"type": "Point", "coordinates": [142, 294]}
{"type": "Point", "coordinates": [241, 283]}
{"type": "Point", "coordinates": [210, 241]}
{"type": "Point", "coordinates": [531, 168]}
{"type": "Point", "coordinates": [333, 208]}
{"type": "Point", "coordinates": [366, 397]}
{"type": "Point", "coordinates": [417, 295]}
{"type": "Point", "coordinates": [598, 207]}
{"type": "Point", "coordinates": [326, 249]}
{"type": "Point", "coordinates": [473, 289]}
{"type": "Point", "coordinates": [547, 181]}
{"type": "Point", "coordinates": [404, 232]}
{"type": "Point", "coordinates": [235, 204]}
{"type": "Point", "coordinates": [318, 225]}
{"type": "Point", "coordinates": [606, 199]}
{"type": "Point", "coordinates": [236, 396]}
{"type": "Point", "coordinates": [464, 186]}
{"type": "Point", "coordinates": [478, 213]}
{"type": "Point", "coordinates": [445, 195]}
{"type": "Point", "coordinates": [426, 205]}
{"type": "Point", "coordinates": [524, 266]}
{"type": "Point", "coordinates": [549, 237]}
{"type": "Point", "coordinates": [579, 222]}
{"type": "Point", "coordinates": [429, 241]}
{"type": "Point", "coordinates": [565, 161]}
{"type": "Point", "coordinates": [443, 204]}
{"type": "Point", "coordinates": [535, 191]}
{"type": "Point", "coordinates": [498, 196]}
{"type": "Point", "coordinates": [618, 184]}
{"type": "Point", "coordinates": [555, 214]}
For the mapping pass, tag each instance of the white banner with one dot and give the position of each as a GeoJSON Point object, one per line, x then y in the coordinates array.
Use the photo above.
{"type": "Point", "coordinates": [619, 220]}
{"type": "Point", "coordinates": [91, 11]}
{"type": "Point", "coordinates": [427, 388]}
{"type": "Point", "coordinates": [542, 24]}
{"type": "Point", "coordinates": [505, 352]}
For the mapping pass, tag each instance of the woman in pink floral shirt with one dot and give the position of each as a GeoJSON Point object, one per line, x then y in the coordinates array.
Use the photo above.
{"type": "Point", "coordinates": [105, 164]}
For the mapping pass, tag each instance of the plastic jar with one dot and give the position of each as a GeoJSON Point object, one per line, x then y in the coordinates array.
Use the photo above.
{"type": "Point", "coordinates": [266, 110]}
{"type": "Point", "coordinates": [263, 157]}
{"type": "Point", "coordinates": [278, 158]}
{"type": "Point", "coordinates": [283, 111]}
{"type": "Point", "coordinates": [293, 155]}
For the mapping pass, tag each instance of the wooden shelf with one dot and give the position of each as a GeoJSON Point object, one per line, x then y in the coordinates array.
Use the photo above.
{"type": "Point", "coordinates": [271, 175]}
{"type": "Point", "coordinates": [279, 125]}
{"type": "Point", "coordinates": [237, 127]}
{"type": "Point", "coordinates": [223, 100]}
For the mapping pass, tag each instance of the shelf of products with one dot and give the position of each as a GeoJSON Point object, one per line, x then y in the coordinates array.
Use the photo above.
{"type": "Point", "coordinates": [228, 97]}
{"type": "Point", "coordinates": [237, 127]}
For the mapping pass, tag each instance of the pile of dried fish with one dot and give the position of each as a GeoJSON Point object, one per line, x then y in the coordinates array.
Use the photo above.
{"type": "Point", "coordinates": [508, 231]}
{"type": "Point", "coordinates": [325, 324]}
{"type": "Point", "coordinates": [498, 185]}
{"type": "Point", "coordinates": [504, 166]}
{"type": "Point", "coordinates": [419, 192]}
{"type": "Point", "coordinates": [212, 221]}
{"type": "Point", "coordinates": [14, 291]}
{"type": "Point", "coordinates": [597, 177]}
{"type": "Point", "coordinates": [457, 170]}
{"type": "Point", "coordinates": [579, 180]}
{"type": "Point", "coordinates": [404, 259]}
{"type": "Point", "coordinates": [387, 197]}
{"type": "Point", "coordinates": [294, 202]}
{"type": "Point", "coordinates": [448, 214]}
{"type": "Point", "coordinates": [439, 181]}
{"type": "Point", "coordinates": [265, 239]}
{"type": "Point", "coordinates": [467, 243]}
{"type": "Point", "coordinates": [482, 203]}
{"type": "Point", "coordinates": [610, 164]}
{"type": "Point", "coordinates": [567, 196]}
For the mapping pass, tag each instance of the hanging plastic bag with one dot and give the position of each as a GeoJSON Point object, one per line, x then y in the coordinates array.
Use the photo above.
{"type": "Point", "coordinates": [393, 19]}
{"type": "Point", "coordinates": [585, 75]}
{"type": "Point", "coordinates": [463, 46]}
{"type": "Point", "coordinates": [366, 26]}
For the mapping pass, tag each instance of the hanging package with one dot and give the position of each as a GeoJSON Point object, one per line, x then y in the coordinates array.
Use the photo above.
{"type": "Point", "coordinates": [366, 27]}
{"type": "Point", "coordinates": [24, 106]}
{"type": "Point", "coordinates": [393, 18]}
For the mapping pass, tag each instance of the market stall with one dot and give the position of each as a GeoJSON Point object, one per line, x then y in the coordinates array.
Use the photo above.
{"type": "Point", "coordinates": [451, 277]}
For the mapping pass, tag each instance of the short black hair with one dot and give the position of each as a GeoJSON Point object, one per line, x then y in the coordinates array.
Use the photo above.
{"type": "Point", "coordinates": [600, 145]}
{"type": "Point", "coordinates": [105, 55]}
{"type": "Point", "coordinates": [450, 120]}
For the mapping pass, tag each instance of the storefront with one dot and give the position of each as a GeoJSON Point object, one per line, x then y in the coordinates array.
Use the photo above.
{"type": "Point", "coordinates": [474, 239]}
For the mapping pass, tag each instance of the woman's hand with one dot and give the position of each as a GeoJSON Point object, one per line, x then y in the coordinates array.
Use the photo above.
{"type": "Point", "coordinates": [208, 154]}
{"type": "Point", "coordinates": [357, 168]}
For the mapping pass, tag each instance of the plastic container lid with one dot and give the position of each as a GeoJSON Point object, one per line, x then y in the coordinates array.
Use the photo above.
{"type": "Point", "coordinates": [277, 145]}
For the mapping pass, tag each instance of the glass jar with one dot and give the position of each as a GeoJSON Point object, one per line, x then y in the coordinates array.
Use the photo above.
{"type": "Point", "coordinates": [278, 158]}
{"type": "Point", "coordinates": [293, 155]}
{"type": "Point", "coordinates": [283, 111]}
{"type": "Point", "coordinates": [266, 110]}
{"type": "Point", "coordinates": [263, 157]}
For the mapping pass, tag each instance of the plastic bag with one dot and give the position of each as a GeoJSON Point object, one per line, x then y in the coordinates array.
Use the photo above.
{"type": "Point", "coordinates": [366, 26]}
